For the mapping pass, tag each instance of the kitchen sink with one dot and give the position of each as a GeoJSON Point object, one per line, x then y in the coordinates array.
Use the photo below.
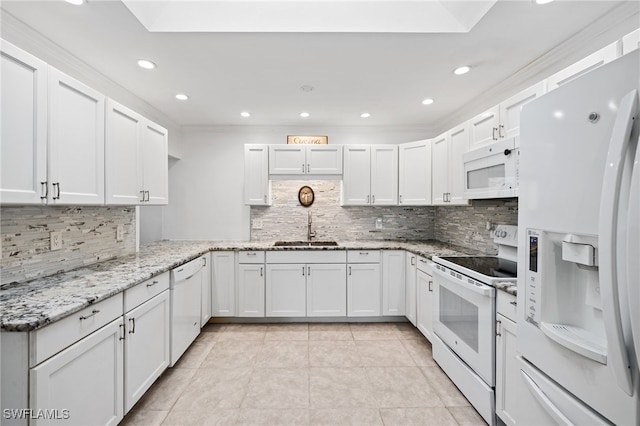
{"type": "Point", "coordinates": [305, 244]}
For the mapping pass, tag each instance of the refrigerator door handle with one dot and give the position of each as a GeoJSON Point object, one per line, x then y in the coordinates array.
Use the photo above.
{"type": "Point", "coordinates": [545, 402]}
{"type": "Point", "coordinates": [633, 253]}
{"type": "Point", "coordinates": [609, 201]}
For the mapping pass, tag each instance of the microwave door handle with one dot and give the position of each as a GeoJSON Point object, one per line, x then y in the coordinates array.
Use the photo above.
{"type": "Point", "coordinates": [485, 290]}
{"type": "Point", "coordinates": [545, 402]}
{"type": "Point", "coordinates": [607, 229]}
{"type": "Point", "coordinates": [633, 254]}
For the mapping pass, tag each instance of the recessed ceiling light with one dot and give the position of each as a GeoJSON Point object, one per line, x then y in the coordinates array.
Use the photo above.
{"type": "Point", "coordinates": [146, 64]}
{"type": "Point", "coordinates": [537, 1]}
{"type": "Point", "coordinates": [304, 114]}
{"type": "Point", "coordinates": [462, 70]}
{"type": "Point", "coordinates": [75, 2]}
{"type": "Point", "coordinates": [182, 97]}
{"type": "Point", "coordinates": [365, 115]}
{"type": "Point", "coordinates": [245, 114]}
{"type": "Point", "coordinates": [427, 101]}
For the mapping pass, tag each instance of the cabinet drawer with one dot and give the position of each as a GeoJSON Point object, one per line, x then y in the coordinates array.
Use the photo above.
{"type": "Point", "coordinates": [307, 256]}
{"type": "Point", "coordinates": [424, 265]}
{"type": "Point", "coordinates": [61, 334]}
{"type": "Point", "coordinates": [250, 257]}
{"type": "Point", "coordinates": [506, 305]}
{"type": "Point", "coordinates": [144, 291]}
{"type": "Point", "coordinates": [363, 256]}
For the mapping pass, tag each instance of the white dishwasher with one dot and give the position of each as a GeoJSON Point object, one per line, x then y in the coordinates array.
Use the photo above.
{"type": "Point", "coordinates": [186, 287]}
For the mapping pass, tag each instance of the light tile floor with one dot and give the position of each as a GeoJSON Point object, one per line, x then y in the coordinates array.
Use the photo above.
{"type": "Point", "coordinates": [305, 374]}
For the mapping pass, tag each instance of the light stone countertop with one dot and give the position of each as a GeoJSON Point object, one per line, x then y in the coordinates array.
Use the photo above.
{"type": "Point", "coordinates": [34, 304]}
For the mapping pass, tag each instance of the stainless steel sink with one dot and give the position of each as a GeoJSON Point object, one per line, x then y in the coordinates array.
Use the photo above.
{"type": "Point", "coordinates": [305, 244]}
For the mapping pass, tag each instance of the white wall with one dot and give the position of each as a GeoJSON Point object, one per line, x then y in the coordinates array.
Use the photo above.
{"type": "Point", "coordinates": [206, 184]}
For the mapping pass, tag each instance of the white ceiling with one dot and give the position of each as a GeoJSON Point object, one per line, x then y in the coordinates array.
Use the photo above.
{"type": "Point", "coordinates": [385, 74]}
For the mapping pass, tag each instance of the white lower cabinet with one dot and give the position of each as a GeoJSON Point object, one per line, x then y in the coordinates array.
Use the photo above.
{"type": "Point", "coordinates": [286, 290]}
{"type": "Point", "coordinates": [327, 290]}
{"type": "Point", "coordinates": [83, 384]}
{"type": "Point", "coordinates": [251, 290]}
{"type": "Point", "coordinates": [363, 289]}
{"type": "Point", "coordinates": [508, 378]}
{"type": "Point", "coordinates": [424, 289]}
{"type": "Point", "coordinates": [223, 284]}
{"type": "Point", "coordinates": [410, 304]}
{"type": "Point", "coordinates": [393, 282]}
{"type": "Point", "coordinates": [146, 349]}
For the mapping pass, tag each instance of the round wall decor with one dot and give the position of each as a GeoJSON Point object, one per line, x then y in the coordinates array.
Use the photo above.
{"type": "Point", "coordinates": [306, 196]}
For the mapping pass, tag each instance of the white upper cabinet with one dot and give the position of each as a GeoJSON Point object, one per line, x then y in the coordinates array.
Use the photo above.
{"type": "Point", "coordinates": [370, 175]}
{"type": "Point", "coordinates": [631, 42]}
{"type": "Point", "coordinates": [305, 159]}
{"type": "Point", "coordinates": [447, 166]}
{"type": "Point", "coordinates": [23, 114]}
{"type": "Point", "coordinates": [136, 158]}
{"type": "Point", "coordinates": [601, 57]}
{"type": "Point", "coordinates": [503, 120]}
{"type": "Point", "coordinates": [414, 173]}
{"type": "Point", "coordinates": [257, 188]}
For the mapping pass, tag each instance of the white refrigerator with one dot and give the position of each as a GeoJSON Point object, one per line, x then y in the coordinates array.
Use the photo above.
{"type": "Point", "coordinates": [578, 251]}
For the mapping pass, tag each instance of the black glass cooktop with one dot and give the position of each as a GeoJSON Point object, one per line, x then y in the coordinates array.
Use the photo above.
{"type": "Point", "coordinates": [487, 265]}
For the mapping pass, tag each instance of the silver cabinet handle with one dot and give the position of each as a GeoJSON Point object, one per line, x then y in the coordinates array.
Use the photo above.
{"type": "Point", "coordinates": [430, 284]}
{"type": "Point", "coordinates": [265, 199]}
{"type": "Point", "coordinates": [423, 261]}
{"type": "Point", "coordinates": [368, 199]}
{"type": "Point", "coordinates": [498, 328]}
{"type": "Point", "coordinates": [364, 253]}
{"type": "Point", "coordinates": [261, 271]}
{"type": "Point", "coordinates": [500, 128]}
{"type": "Point", "coordinates": [45, 186]}
{"type": "Point", "coordinates": [95, 311]}
{"type": "Point", "coordinates": [56, 187]}
{"type": "Point", "coordinates": [413, 260]}
{"type": "Point", "coordinates": [152, 284]}
{"type": "Point", "coordinates": [303, 271]}
{"type": "Point", "coordinates": [309, 270]}
{"type": "Point", "coordinates": [180, 270]}
{"type": "Point", "coordinates": [132, 321]}
{"type": "Point", "coordinates": [147, 192]}
{"type": "Point", "coordinates": [349, 270]}
{"type": "Point", "coordinates": [400, 198]}
{"type": "Point", "coordinates": [204, 261]}
{"type": "Point", "coordinates": [493, 133]}
{"type": "Point", "coordinates": [514, 303]}
{"type": "Point", "coordinates": [373, 199]}
{"type": "Point", "coordinates": [142, 192]}
{"type": "Point", "coordinates": [121, 332]}
{"type": "Point", "coordinates": [303, 168]}
{"type": "Point", "coordinates": [251, 254]}
{"type": "Point", "coordinates": [308, 168]}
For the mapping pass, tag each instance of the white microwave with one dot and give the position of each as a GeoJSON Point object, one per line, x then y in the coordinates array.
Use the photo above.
{"type": "Point", "coordinates": [492, 171]}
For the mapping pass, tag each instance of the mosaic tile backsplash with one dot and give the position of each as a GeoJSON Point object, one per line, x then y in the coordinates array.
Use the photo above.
{"type": "Point", "coordinates": [88, 236]}
{"type": "Point", "coordinates": [464, 226]}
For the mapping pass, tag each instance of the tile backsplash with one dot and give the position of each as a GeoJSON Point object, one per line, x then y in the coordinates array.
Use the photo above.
{"type": "Point", "coordinates": [88, 236]}
{"type": "Point", "coordinates": [464, 226]}
{"type": "Point", "coordinates": [286, 219]}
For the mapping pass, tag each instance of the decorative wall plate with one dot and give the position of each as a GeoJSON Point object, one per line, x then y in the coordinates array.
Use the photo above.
{"type": "Point", "coordinates": [306, 196]}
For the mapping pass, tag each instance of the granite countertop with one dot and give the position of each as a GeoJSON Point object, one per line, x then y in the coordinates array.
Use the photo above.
{"type": "Point", "coordinates": [34, 304]}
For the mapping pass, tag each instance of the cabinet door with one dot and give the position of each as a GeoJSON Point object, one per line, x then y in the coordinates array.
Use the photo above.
{"type": "Point", "coordinates": [631, 42]}
{"type": "Point", "coordinates": [146, 347]}
{"type": "Point", "coordinates": [123, 168]}
{"type": "Point", "coordinates": [256, 175]}
{"type": "Point", "coordinates": [155, 163]}
{"type": "Point", "coordinates": [424, 289]}
{"type": "Point", "coordinates": [410, 302]}
{"type": "Point", "coordinates": [414, 180]}
{"type": "Point", "coordinates": [393, 282]}
{"type": "Point", "coordinates": [356, 180]}
{"type": "Point", "coordinates": [287, 159]}
{"type": "Point", "coordinates": [251, 290]}
{"type": "Point", "coordinates": [384, 175]}
{"type": "Point", "coordinates": [76, 141]}
{"type": "Point", "coordinates": [507, 370]}
{"type": "Point", "coordinates": [86, 379]}
{"type": "Point", "coordinates": [185, 315]}
{"type": "Point", "coordinates": [459, 144]}
{"type": "Point", "coordinates": [440, 168]}
{"type": "Point", "coordinates": [583, 66]}
{"type": "Point", "coordinates": [511, 108]}
{"type": "Point", "coordinates": [363, 290]}
{"type": "Point", "coordinates": [327, 290]}
{"type": "Point", "coordinates": [324, 159]}
{"type": "Point", "coordinates": [286, 290]}
{"type": "Point", "coordinates": [205, 294]}
{"type": "Point", "coordinates": [223, 290]}
{"type": "Point", "coordinates": [23, 114]}
{"type": "Point", "coordinates": [484, 127]}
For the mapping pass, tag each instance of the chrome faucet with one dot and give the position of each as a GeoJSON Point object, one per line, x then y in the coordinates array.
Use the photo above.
{"type": "Point", "coordinates": [310, 233]}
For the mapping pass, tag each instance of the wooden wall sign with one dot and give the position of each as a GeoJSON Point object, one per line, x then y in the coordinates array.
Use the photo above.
{"type": "Point", "coordinates": [313, 140]}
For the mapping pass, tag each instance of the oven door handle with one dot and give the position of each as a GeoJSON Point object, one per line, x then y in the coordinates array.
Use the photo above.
{"type": "Point", "coordinates": [483, 290]}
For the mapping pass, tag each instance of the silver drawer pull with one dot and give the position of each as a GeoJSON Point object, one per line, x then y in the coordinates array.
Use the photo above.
{"type": "Point", "coordinates": [423, 261]}
{"type": "Point", "coordinates": [133, 325]}
{"type": "Point", "coordinates": [514, 303]}
{"type": "Point", "coordinates": [180, 270]}
{"type": "Point", "coordinates": [95, 311]}
{"type": "Point", "coordinates": [251, 254]}
{"type": "Point", "coordinates": [152, 284]}
{"type": "Point", "coordinates": [364, 253]}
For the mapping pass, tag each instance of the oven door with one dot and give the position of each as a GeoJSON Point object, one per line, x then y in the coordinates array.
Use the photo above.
{"type": "Point", "coordinates": [491, 171]}
{"type": "Point", "coordinates": [464, 319]}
